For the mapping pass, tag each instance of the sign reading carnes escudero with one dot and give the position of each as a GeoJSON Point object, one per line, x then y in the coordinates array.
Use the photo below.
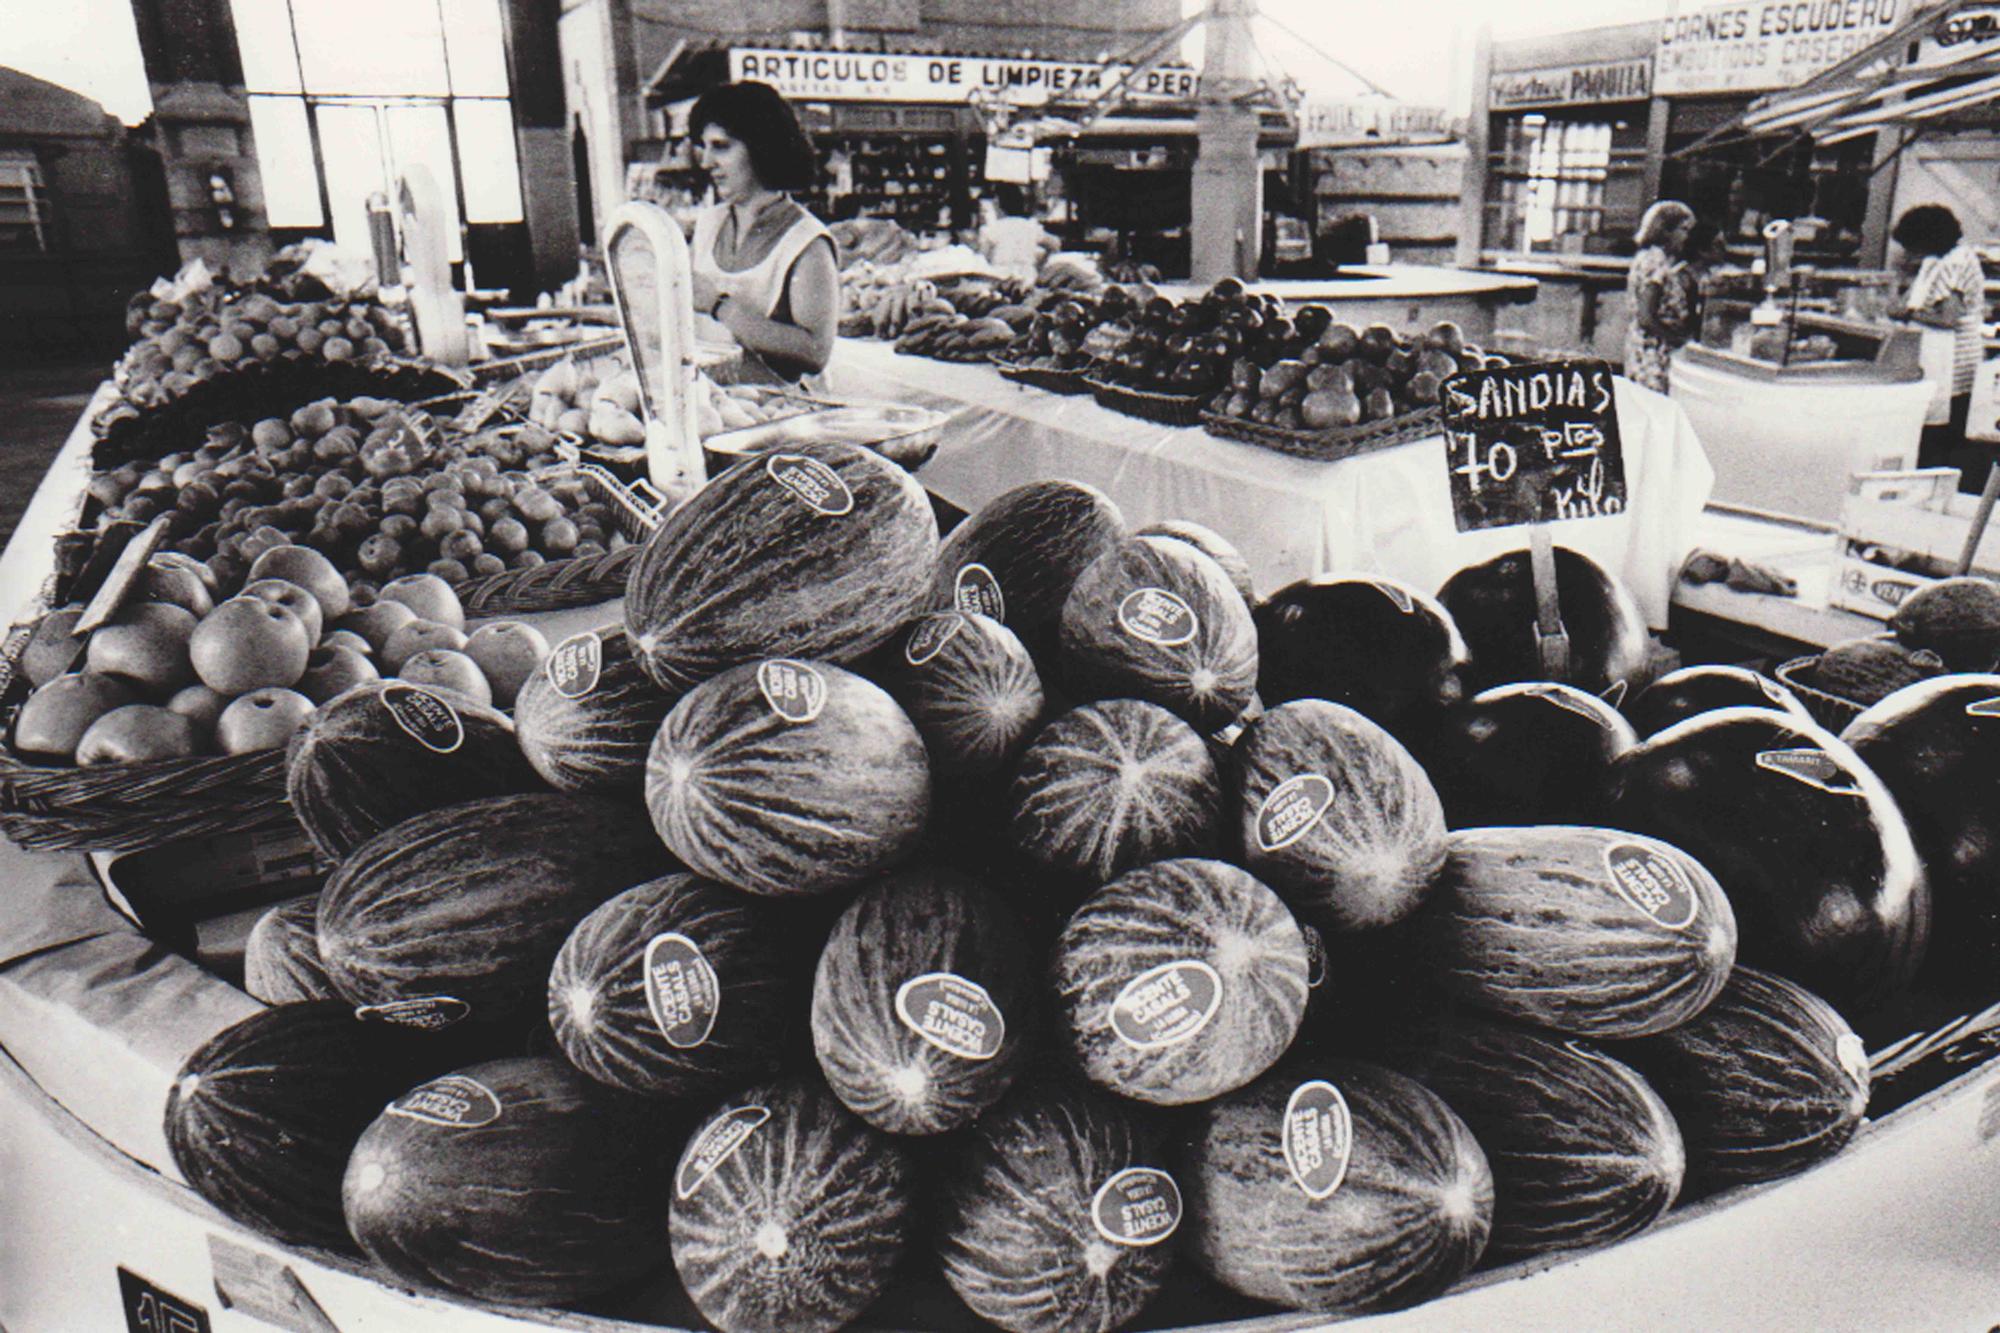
{"type": "Point", "coordinates": [1761, 44]}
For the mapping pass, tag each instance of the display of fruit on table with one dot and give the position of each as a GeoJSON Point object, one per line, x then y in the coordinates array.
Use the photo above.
{"type": "Point", "coordinates": [597, 398]}
{"type": "Point", "coordinates": [1057, 337]}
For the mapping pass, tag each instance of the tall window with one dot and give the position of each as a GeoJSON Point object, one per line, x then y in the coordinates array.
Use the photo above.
{"type": "Point", "coordinates": [346, 94]}
{"type": "Point", "coordinates": [1567, 183]}
{"type": "Point", "coordinates": [24, 203]}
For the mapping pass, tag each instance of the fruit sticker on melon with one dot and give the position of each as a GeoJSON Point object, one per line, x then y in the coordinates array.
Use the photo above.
{"type": "Point", "coordinates": [784, 778]}
{"type": "Point", "coordinates": [970, 686]}
{"type": "Point", "coordinates": [1211, 544]}
{"type": "Point", "coordinates": [789, 1214]}
{"type": "Point", "coordinates": [1016, 559]}
{"type": "Point", "coordinates": [1179, 981]}
{"type": "Point", "coordinates": [1095, 1247]}
{"type": "Point", "coordinates": [1378, 646]}
{"type": "Point", "coordinates": [922, 1002]}
{"type": "Point", "coordinates": [587, 716]}
{"type": "Point", "coordinates": [1335, 1185]}
{"type": "Point", "coordinates": [821, 551]}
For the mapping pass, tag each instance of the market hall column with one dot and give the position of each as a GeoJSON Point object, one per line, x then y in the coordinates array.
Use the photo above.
{"type": "Point", "coordinates": [1227, 230]}
{"type": "Point", "coordinates": [542, 137]}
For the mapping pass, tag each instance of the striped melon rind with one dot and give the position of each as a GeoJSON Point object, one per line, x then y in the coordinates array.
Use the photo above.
{"type": "Point", "coordinates": [970, 686]}
{"type": "Point", "coordinates": [597, 741]}
{"type": "Point", "coordinates": [1031, 544]}
{"type": "Point", "coordinates": [281, 955]}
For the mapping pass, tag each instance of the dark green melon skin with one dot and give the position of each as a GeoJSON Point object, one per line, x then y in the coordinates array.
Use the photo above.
{"type": "Point", "coordinates": [1016, 1235]}
{"type": "Point", "coordinates": [1114, 785]}
{"type": "Point", "coordinates": [1583, 1151]}
{"type": "Point", "coordinates": [1211, 544]}
{"type": "Point", "coordinates": [837, 1192]}
{"type": "Point", "coordinates": [920, 921]}
{"type": "Point", "coordinates": [562, 1196]}
{"type": "Point", "coordinates": [976, 700]}
{"type": "Point", "coordinates": [597, 989]}
{"type": "Point", "coordinates": [1531, 753]}
{"type": "Point", "coordinates": [1369, 858]}
{"type": "Point", "coordinates": [1528, 924]}
{"type": "Point", "coordinates": [746, 569]}
{"type": "Point", "coordinates": [281, 956]}
{"type": "Point", "coordinates": [262, 1117]}
{"type": "Point", "coordinates": [1493, 604]}
{"type": "Point", "coordinates": [351, 771]}
{"type": "Point", "coordinates": [473, 901]}
{"type": "Point", "coordinates": [1826, 886]}
{"type": "Point", "coordinates": [1682, 694]}
{"type": "Point", "coordinates": [1187, 909]}
{"type": "Point", "coordinates": [1764, 1083]}
{"type": "Point", "coordinates": [1035, 540]}
{"type": "Point", "coordinates": [596, 743]}
{"type": "Point", "coordinates": [1410, 1218]}
{"type": "Point", "coordinates": [1210, 680]}
{"type": "Point", "coordinates": [1377, 645]}
{"type": "Point", "coordinates": [781, 808]}
{"type": "Point", "coordinates": [1956, 618]}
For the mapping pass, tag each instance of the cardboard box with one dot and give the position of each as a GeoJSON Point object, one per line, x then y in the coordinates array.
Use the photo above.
{"type": "Point", "coordinates": [1901, 531]}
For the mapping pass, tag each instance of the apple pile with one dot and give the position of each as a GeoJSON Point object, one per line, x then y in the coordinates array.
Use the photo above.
{"type": "Point", "coordinates": [1147, 341]}
{"type": "Point", "coordinates": [177, 674]}
{"type": "Point", "coordinates": [1063, 335]}
{"type": "Point", "coordinates": [1342, 376]}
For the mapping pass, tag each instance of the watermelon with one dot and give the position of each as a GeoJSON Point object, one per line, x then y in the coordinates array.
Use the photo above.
{"type": "Point", "coordinates": [789, 1214]}
{"type": "Point", "coordinates": [1114, 785]}
{"type": "Point", "coordinates": [1375, 644]}
{"type": "Point", "coordinates": [1097, 1242]}
{"type": "Point", "coordinates": [1179, 981]}
{"type": "Point", "coordinates": [784, 777]}
{"type": "Point", "coordinates": [1681, 694]}
{"type": "Point", "coordinates": [1211, 544]}
{"type": "Point", "coordinates": [1765, 1082]}
{"type": "Point", "coordinates": [1017, 558]}
{"type": "Point", "coordinates": [1588, 931]}
{"type": "Point", "coordinates": [1335, 1185]}
{"type": "Point", "coordinates": [672, 988]}
{"type": "Point", "coordinates": [1526, 754]}
{"type": "Point", "coordinates": [922, 1002]}
{"type": "Point", "coordinates": [1957, 618]}
{"type": "Point", "coordinates": [587, 717]}
{"type": "Point", "coordinates": [969, 685]}
{"type": "Point", "coordinates": [1494, 606]}
{"type": "Point", "coordinates": [816, 550]}
{"type": "Point", "coordinates": [261, 1118]}
{"type": "Point", "coordinates": [1337, 816]}
{"type": "Point", "coordinates": [1936, 746]}
{"type": "Point", "coordinates": [281, 955]}
{"type": "Point", "coordinates": [518, 1181]}
{"type": "Point", "coordinates": [458, 913]}
{"type": "Point", "coordinates": [1583, 1150]}
{"type": "Point", "coordinates": [1158, 620]}
{"type": "Point", "coordinates": [384, 752]}
{"type": "Point", "coordinates": [1820, 866]}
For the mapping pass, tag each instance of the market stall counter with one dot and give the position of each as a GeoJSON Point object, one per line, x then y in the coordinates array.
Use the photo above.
{"type": "Point", "coordinates": [1401, 295]}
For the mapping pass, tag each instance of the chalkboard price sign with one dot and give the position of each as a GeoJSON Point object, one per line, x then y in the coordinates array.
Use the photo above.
{"type": "Point", "coordinates": [1533, 444]}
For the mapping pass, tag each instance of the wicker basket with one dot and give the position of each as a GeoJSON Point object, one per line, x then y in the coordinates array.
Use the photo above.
{"type": "Point", "coordinates": [637, 509]}
{"type": "Point", "coordinates": [1169, 409]}
{"type": "Point", "coordinates": [1328, 445]}
{"type": "Point", "coordinates": [1072, 381]}
{"type": "Point", "coordinates": [1829, 710]}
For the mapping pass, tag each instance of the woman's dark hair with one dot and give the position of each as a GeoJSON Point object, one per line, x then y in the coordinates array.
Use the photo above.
{"type": "Point", "coordinates": [759, 118]}
{"type": "Point", "coordinates": [1701, 238]}
{"type": "Point", "coordinates": [1927, 229]}
{"type": "Point", "coordinates": [1011, 200]}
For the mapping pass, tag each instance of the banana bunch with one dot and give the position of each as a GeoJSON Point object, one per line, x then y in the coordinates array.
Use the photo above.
{"type": "Point", "coordinates": [954, 337]}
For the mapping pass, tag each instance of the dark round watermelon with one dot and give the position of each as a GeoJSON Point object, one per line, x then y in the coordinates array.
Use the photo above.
{"type": "Point", "coordinates": [1335, 1185]}
{"type": "Point", "coordinates": [518, 1181]}
{"type": "Point", "coordinates": [1764, 1083]}
{"type": "Point", "coordinates": [922, 1002]}
{"type": "Point", "coordinates": [789, 1214]}
{"type": "Point", "coordinates": [971, 688]}
{"type": "Point", "coordinates": [1016, 559]}
{"type": "Point", "coordinates": [1097, 1243]}
{"type": "Point", "coordinates": [1377, 645]}
{"type": "Point", "coordinates": [385, 751]}
{"type": "Point", "coordinates": [1956, 618]}
{"type": "Point", "coordinates": [1494, 606]}
{"type": "Point", "coordinates": [784, 777]}
{"type": "Point", "coordinates": [1158, 620]}
{"type": "Point", "coordinates": [1526, 754]}
{"type": "Point", "coordinates": [1337, 816]}
{"type": "Point", "coordinates": [1179, 981]}
{"type": "Point", "coordinates": [1682, 694]}
{"type": "Point", "coordinates": [262, 1117]}
{"type": "Point", "coordinates": [1936, 746]}
{"type": "Point", "coordinates": [281, 956]}
{"type": "Point", "coordinates": [671, 989]}
{"type": "Point", "coordinates": [457, 914]}
{"type": "Point", "coordinates": [587, 717]}
{"type": "Point", "coordinates": [815, 550]}
{"type": "Point", "coordinates": [1211, 544]}
{"type": "Point", "coordinates": [1114, 785]}
{"type": "Point", "coordinates": [1583, 1150]}
{"type": "Point", "coordinates": [1818, 861]}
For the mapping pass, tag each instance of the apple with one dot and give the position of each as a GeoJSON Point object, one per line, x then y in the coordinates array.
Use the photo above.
{"type": "Point", "coordinates": [135, 733]}
{"type": "Point", "coordinates": [444, 669]}
{"type": "Point", "coordinates": [417, 637]}
{"type": "Point", "coordinates": [248, 643]}
{"type": "Point", "coordinates": [200, 705]}
{"type": "Point", "coordinates": [347, 638]}
{"type": "Point", "coordinates": [376, 623]}
{"type": "Point", "coordinates": [310, 570]}
{"type": "Point", "coordinates": [53, 647]}
{"type": "Point", "coordinates": [194, 566]}
{"type": "Point", "coordinates": [507, 652]}
{"type": "Point", "coordinates": [146, 643]}
{"type": "Point", "coordinates": [293, 598]}
{"type": "Point", "coordinates": [429, 596]}
{"type": "Point", "coordinates": [55, 717]}
{"type": "Point", "coordinates": [335, 669]}
{"type": "Point", "coordinates": [178, 584]}
{"type": "Point", "coordinates": [261, 720]}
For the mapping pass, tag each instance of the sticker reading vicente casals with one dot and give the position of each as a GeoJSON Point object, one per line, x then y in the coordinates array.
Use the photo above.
{"type": "Point", "coordinates": [1292, 808]}
{"type": "Point", "coordinates": [976, 591]}
{"type": "Point", "coordinates": [1652, 883]}
{"type": "Point", "coordinates": [794, 690]}
{"type": "Point", "coordinates": [425, 717]}
{"type": "Point", "coordinates": [813, 482]}
{"type": "Point", "coordinates": [681, 990]}
{"type": "Point", "coordinates": [716, 1145]}
{"type": "Point", "coordinates": [932, 634]}
{"type": "Point", "coordinates": [1318, 1138]}
{"type": "Point", "coordinates": [575, 665]}
{"type": "Point", "coordinates": [1156, 616]}
{"type": "Point", "coordinates": [427, 1012]}
{"type": "Point", "coordinates": [1533, 444]}
{"type": "Point", "coordinates": [1166, 1005]}
{"type": "Point", "coordinates": [1139, 1206]}
{"type": "Point", "coordinates": [454, 1101]}
{"type": "Point", "coordinates": [955, 1015]}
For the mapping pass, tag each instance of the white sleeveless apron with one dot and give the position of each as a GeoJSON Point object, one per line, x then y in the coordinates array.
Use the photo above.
{"type": "Point", "coordinates": [761, 286]}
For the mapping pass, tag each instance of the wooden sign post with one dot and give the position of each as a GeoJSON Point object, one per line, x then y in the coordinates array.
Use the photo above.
{"type": "Point", "coordinates": [651, 281]}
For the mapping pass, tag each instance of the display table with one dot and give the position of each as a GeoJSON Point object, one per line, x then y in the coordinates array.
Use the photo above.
{"type": "Point", "coordinates": [1382, 513]}
{"type": "Point", "coordinates": [1403, 296]}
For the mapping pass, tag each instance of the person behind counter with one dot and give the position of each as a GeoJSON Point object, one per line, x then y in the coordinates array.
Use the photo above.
{"type": "Point", "coordinates": [763, 266]}
{"type": "Point", "coordinates": [1014, 243]}
{"type": "Point", "coordinates": [1948, 292]}
{"type": "Point", "coordinates": [1654, 332]}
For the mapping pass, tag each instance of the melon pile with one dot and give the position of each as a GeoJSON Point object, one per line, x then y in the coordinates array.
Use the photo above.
{"type": "Point", "coordinates": [1039, 909]}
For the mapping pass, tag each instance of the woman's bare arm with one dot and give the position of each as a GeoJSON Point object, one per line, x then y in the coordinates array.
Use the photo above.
{"type": "Point", "coordinates": [813, 292]}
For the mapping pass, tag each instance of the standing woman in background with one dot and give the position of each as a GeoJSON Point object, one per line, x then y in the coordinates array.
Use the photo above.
{"type": "Point", "coordinates": [1948, 292]}
{"type": "Point", "coordinates": [1652, 338]}
{"type": "Point", "coordinates": [764, 267]}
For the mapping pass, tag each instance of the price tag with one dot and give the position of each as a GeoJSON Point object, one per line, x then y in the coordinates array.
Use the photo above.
{"type": "Point", "coordinates": [1533, 444]}
{"type": "Point", "coordinates": [148, 1309]}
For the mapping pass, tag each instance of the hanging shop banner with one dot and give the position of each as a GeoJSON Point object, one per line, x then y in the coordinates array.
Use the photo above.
{"type": "Point", "coordinates": [1369, 120]}
{"type": "Point", "coordinates": [1533, 444]}
{"type": "Point", "coordinates": [1752, 47]}
{"type": "Point", "coordinates": [878, 76]}
{"type": "Point", "coordinates": [1572, 85]}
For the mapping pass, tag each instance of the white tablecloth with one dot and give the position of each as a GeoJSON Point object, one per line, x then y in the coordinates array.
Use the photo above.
{"type": "Point", "coordinates": [1382, 513]}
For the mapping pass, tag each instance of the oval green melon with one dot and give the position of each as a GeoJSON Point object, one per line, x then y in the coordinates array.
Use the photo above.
{"type": "Point", "coordinates": [1958, 619]}
{"type": "Point", "coordinates": [1018, 556]}
{"type": "Point", "coordinates": [1211, 544]}
{"type": "Point", "coordinates": [970, 686]}
{"type": "Point", "coordinates": [586, 718]}
{"type": "Point", "coordinates": [281, 955]}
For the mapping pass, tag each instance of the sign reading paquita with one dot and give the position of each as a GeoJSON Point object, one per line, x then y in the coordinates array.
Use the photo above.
{"type": "Point", "coordinates": [1364, 120]}
{"type": "Point", "coordinates": [1748, 47]}
{"type": "Point", "coordinates": [880, 76]}
{"type": "Point", "coordinates": [1572, 85]}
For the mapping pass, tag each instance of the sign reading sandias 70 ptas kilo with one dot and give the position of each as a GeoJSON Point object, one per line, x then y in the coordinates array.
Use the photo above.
{"type": "Point", "coordinates": [879, 76]}
{"type": "Point", "coordinates": [1748, 47]}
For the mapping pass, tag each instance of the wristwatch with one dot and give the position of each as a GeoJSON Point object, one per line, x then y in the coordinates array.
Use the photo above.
{"type": "Point", "coordinates": [715, 307]}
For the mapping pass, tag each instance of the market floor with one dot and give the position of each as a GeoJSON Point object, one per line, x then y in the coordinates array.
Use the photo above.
{"type": "Point", "coordinates": [39, 406]}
